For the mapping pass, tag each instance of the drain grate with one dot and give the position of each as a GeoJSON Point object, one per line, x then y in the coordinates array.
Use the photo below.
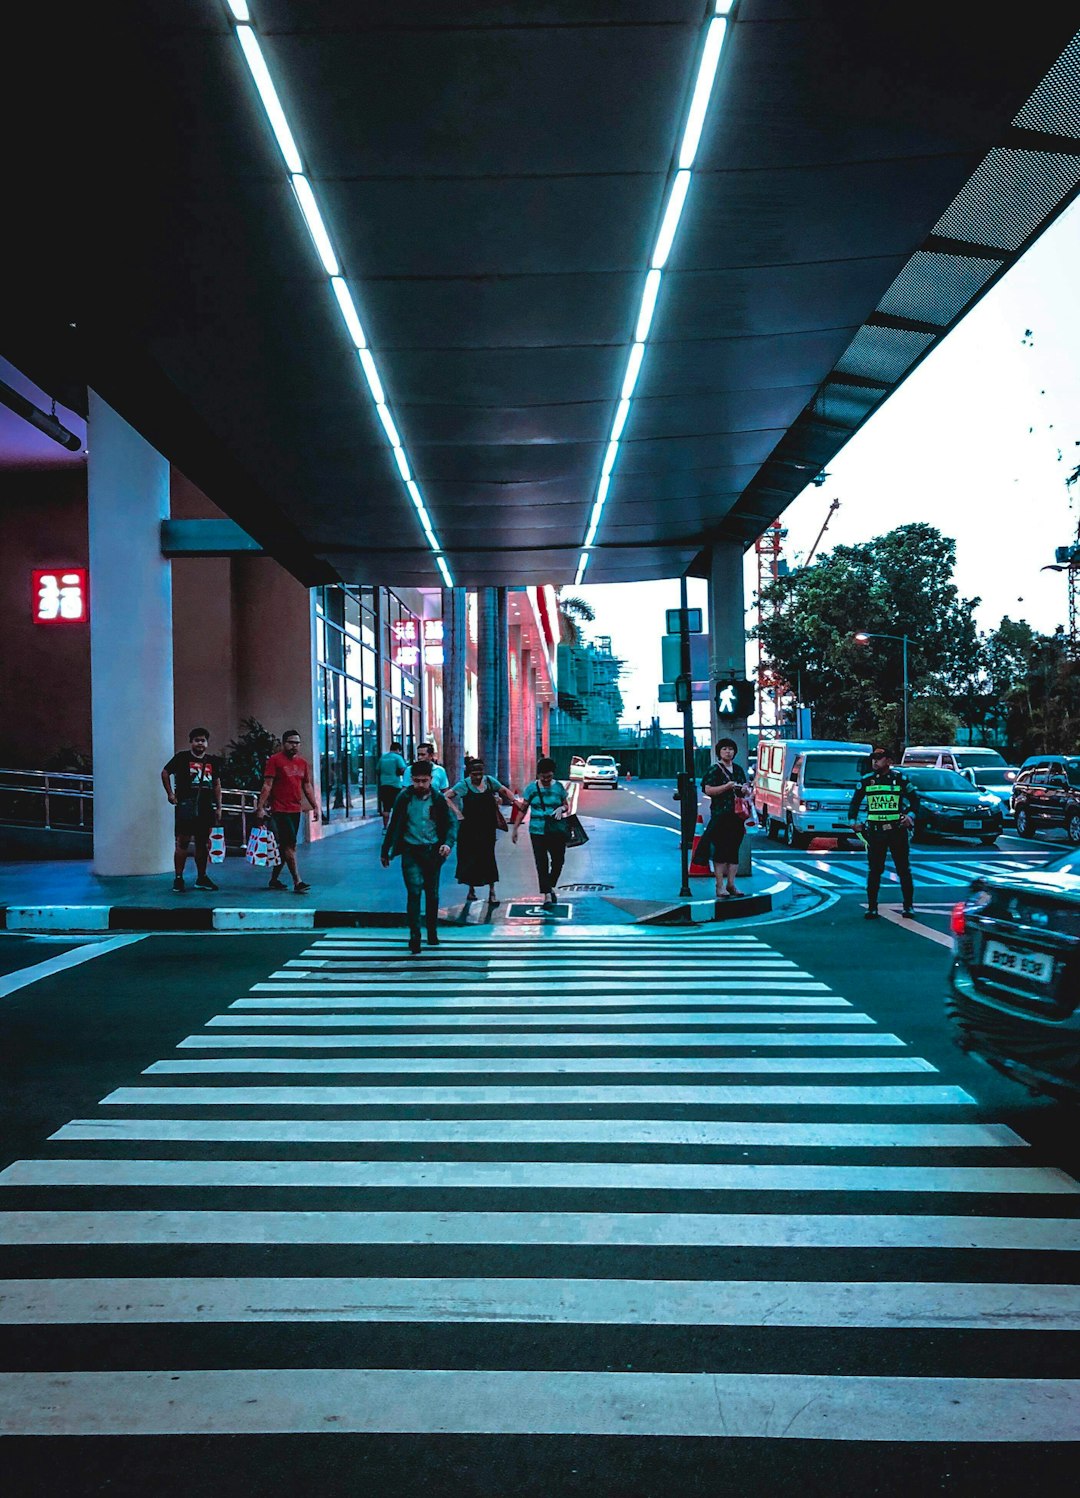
{"type": "Point", "coordinates": [585, 889]}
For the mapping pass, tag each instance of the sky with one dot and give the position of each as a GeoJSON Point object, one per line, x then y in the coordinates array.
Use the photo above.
{"type": "Point", "coordinates": [978, 441]}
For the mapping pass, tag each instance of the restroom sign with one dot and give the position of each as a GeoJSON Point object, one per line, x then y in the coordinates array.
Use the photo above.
{"type": "Point", "coordinates": [59, 595]}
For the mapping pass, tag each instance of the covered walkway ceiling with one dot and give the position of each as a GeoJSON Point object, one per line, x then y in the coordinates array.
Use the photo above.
{"type": "Point", "coordinates": [492, 176]}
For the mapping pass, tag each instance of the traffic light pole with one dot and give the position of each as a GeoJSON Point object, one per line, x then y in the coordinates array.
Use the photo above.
{"type": "Point", "coordinates": [687, 782]}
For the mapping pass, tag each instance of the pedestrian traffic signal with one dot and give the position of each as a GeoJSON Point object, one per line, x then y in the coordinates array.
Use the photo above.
{"type": "Point", "coordinates": [735, 699]}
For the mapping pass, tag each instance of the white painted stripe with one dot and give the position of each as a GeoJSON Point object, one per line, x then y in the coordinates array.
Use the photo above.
{"type": "Point", "coordinates": [545, 1065]}
{"type": "Point", "coordinates": [549, 1131]}
{"type": "Point", "coordinates": [24, 977]}
{"type": "Point", "coordinates": [798, 871]}
{"type": "Point", "coordinates": [551, 1019]}
{"type": "Point", "coordinates": [531, 1175]}
{"type": "Point", "coordinates": [896, 1305]}
{"type": "Point", "coordinates": [575, 1229]}
{"type": "Point", "coordinates": [437, 1000]}
{"type": "Point", "coordinates": [893, 913]}
{"type": "Point", "coordinates": [649, 1040]}
{"type": "Point", "coordinates": [842, 874]}
{"type": "Point", "coordinates": [482, 947]}
{"type": "Point", "coordinates": [298, 1401]}
{"type": "Point", "coordinates": [230, 919]}
{"type": "Point", "coordinates": [925, 875]}
{"type": "Point", "coordinates": [965, 873]}
{"type": "Point", "coordinates": [57, 917]}
{"type": "Point", "coordinates": [527, 972]}
{"type": "Point", "coordinates": [704, 983]}
{"type": "Point", "coordinates": [881, 1095]}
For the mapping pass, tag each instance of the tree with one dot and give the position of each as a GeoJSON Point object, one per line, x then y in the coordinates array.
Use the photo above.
{"type": "Point", "coordinates": [573, 612]}
{"type": "Point", "coordinates": [900, 583]}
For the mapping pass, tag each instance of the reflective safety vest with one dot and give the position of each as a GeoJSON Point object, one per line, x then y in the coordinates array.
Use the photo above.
{"type": "Point", "coordinates": [883, 800]}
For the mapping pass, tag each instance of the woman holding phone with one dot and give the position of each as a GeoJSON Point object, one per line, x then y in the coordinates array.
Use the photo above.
{"type": "Point", "coordinates": [728, 793]}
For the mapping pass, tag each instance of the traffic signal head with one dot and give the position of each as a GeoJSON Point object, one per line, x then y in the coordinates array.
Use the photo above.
{"type": "Point", "coordinates": [735, 699]}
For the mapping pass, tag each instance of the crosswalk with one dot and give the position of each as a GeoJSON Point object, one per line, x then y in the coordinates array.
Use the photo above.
{"type": "Point", "coordinates": [724, 1202]}
{"type": "Point", "coordinates": [845, 874]}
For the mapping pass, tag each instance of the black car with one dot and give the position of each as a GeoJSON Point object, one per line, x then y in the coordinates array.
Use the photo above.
{"type": "Point", "coordinates": [949, 803]}
{"type": "Point", "coordinates": [1046, 793]}
{"type": "Point", "coordinates": [1015, 999]}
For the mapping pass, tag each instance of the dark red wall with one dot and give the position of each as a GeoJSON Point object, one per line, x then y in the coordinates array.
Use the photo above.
{"type": "Point", "coordinates": [44, 669]}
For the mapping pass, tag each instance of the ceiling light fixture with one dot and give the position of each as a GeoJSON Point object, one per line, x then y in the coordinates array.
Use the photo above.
{"type": "Point", "coordinates": [240, 14]}
{"type": "Point", "coordinates": [715, 33]}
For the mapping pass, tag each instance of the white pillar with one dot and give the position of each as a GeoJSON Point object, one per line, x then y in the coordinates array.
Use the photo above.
{"type": "Point", "coordinates": [131, 647]}
{"type": "Point", "coordinates": [727, 648]}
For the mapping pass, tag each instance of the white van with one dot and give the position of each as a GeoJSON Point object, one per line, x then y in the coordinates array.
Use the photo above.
{"type": "Point", "coordinates": [965, 759]}
{"type": "Point", "coordinates": [803, 787]}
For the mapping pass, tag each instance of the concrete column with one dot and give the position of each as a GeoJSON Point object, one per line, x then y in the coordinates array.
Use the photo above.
{"type": "Point", "coordinates": [453, 677]}
{"type": "Point", "coordinates": [515, 717]}
{"type": "Point", "coordinates": [727, 647]}
{"type": "Point", "coordinates": [131, 660]}
{"type": "Point", "coordinates": [487, 676]}
{"type": "Point", "coordinates": [545, 730]}
{"type": "Point", "coordinates": [503, 630]}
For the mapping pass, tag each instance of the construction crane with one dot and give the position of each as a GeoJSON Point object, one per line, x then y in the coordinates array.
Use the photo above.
{"type": "Point", "coordinates": [1067, 559]}
{"type": "Point", "coordinates": [824, 527]}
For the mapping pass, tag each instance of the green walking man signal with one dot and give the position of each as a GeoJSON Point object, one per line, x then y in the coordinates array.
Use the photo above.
{"type": "Point", "coordinates": [735, 699]}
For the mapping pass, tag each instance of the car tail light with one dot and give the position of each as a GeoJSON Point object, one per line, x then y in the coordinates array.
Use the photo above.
{"type": "Point", "coordinates": [958, 919]}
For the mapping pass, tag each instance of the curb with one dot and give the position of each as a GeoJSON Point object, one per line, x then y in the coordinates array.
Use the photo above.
{"type": "Point", "coordinates": [694, 912]}
{"type": "Point", "coordinates": [83, 918]}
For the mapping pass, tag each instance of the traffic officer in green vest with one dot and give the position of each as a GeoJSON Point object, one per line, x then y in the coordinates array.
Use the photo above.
{"type": "Point", "coordinates": [891, 802]}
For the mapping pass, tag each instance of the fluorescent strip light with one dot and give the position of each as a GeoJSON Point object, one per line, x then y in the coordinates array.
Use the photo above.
{"type": "Point", "coordinates": [374, 383]}
{"type": "Point", "coordinates": [309, 207]}
{"type": "Point", "coordinates": [633, 369]}
{"type": "Point", "coordinates": [270, 101]}
{"type": "Point", "coordinates": [724, 7]}
{"type": "Point", "coordinates": [621, 413]}
{"type": "Point", "coordinates": [590, 534]}
{"type": "Point", "coordinates": [601, 491]}
{"type": "Point", "coordinates": [313, 218]}
{"type": "Point", "coordinates": [648, 306]}
{"type": "Point", "coordinates": [348, 311]}
{"type": "Point", "coordinates": [388, 424]}
{"type": "Point", "coordinates": [609, 459]}
{"type": "Point", "coordinates": [583, 562]}
{"type": "Point", "coordinates": [672, 214]}
{"type": "Point", "coordinates": [699, 104]}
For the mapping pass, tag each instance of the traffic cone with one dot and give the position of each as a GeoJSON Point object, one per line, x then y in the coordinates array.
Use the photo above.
{"type": "Point", "coordinates": [697, 869]}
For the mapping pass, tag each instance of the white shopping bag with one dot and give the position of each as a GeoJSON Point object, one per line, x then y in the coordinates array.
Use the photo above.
{"type": "Point", "coordinates": [217, 845]}
{"type": "Point", "coordinates": [258, 848]}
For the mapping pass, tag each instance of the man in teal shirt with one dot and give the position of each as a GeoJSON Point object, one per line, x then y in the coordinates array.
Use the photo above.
{"type": "Point", "coordinates": [391, 770]}
{"type": "Point", "coordinates": [422, 830]}
{"type": "Point", "coordinates": [440, 780]}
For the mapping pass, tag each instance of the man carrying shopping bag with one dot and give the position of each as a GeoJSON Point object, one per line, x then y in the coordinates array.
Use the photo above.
{"type": "Point", "coordinates": [286, 785]}
{"type": "Point", "coordinates": [192, 781]}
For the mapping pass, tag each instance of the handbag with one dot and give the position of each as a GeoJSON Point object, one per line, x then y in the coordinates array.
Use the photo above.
{"type": "Point", "coordinates": [500, 821]}
{"type": "Point", "coordinates": [571, 829]}
{"type": "Point", "coordinates": [262, 848]}
{"type": "Point", "coordinates": [217, 845]}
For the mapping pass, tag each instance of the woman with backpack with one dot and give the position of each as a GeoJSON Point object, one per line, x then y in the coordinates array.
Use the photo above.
{"type": "Point", "coordinates": [476, 801]}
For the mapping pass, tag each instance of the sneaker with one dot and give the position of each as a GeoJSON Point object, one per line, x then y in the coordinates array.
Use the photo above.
{"type": "Point", "coordinates": [871, 914]}
{"type": "Point", "coordinates": [275, 882]}
{"type": "Point", "coordinates": [178, 885]}
{"type": "Point", "coordinates": [205, 882]}
{"type": "Point", "coordinates": [300, 888]}
{"type": "Point", "coordinates": [908, 912]}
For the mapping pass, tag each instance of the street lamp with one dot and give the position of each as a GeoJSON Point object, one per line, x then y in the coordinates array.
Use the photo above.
{"type": "Point", "coordinates": [862, 637]}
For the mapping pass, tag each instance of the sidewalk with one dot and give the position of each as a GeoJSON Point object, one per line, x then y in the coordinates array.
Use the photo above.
{"type": "Point", "coordinates": [625, 873]}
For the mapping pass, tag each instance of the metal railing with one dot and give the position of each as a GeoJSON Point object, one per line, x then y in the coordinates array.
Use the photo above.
{"type": "Point", "coordinates": [60, 801]}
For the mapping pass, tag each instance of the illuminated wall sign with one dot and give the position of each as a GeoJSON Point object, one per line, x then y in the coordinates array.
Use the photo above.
{"type": "Point", "coordinates": [59, 595]}
{"type": "Point", "coordinates": [433, 642]}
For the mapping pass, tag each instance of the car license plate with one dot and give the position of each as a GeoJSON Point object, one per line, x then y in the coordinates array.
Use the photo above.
{"type": "Point", "coordinates": [972, 826]}
{"type": "Point", "coordinates": [1036, 967]}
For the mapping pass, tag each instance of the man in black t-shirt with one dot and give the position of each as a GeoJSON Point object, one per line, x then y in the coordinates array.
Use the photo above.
{"type": "Point", "coordinates": [192, 781]}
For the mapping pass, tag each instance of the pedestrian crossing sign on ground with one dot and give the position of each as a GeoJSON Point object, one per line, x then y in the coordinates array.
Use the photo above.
{"type": "Point", "coordinates": [538, 911]}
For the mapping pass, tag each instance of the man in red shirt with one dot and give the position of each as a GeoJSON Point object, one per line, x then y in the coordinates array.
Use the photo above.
{"type": "Point", "coordinates": [286, 784]}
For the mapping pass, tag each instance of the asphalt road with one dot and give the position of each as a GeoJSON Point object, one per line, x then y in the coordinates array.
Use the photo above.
{"type": "Point", "coordinates": [748, 1171]}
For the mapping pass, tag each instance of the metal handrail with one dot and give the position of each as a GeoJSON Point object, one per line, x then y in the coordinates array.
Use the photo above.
{"type": "Point", "coordinates": [52, 785]}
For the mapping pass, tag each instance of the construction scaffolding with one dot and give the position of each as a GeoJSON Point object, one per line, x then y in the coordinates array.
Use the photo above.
{"type": "Point", "coordinates": [771, 688]}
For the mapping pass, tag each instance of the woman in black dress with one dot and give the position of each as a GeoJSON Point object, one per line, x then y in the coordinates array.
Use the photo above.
{"type": "Point", "coordinates": [476, 799]}
{"type": "Point", "coordinates": [726, 788]}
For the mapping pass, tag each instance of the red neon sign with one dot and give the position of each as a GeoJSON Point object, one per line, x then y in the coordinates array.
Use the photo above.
{"type": "Point", "coordinates": [59, 595]}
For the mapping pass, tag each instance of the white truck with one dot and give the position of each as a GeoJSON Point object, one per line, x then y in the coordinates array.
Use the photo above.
{"type": "Point", "coordinates": [802, 787]}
